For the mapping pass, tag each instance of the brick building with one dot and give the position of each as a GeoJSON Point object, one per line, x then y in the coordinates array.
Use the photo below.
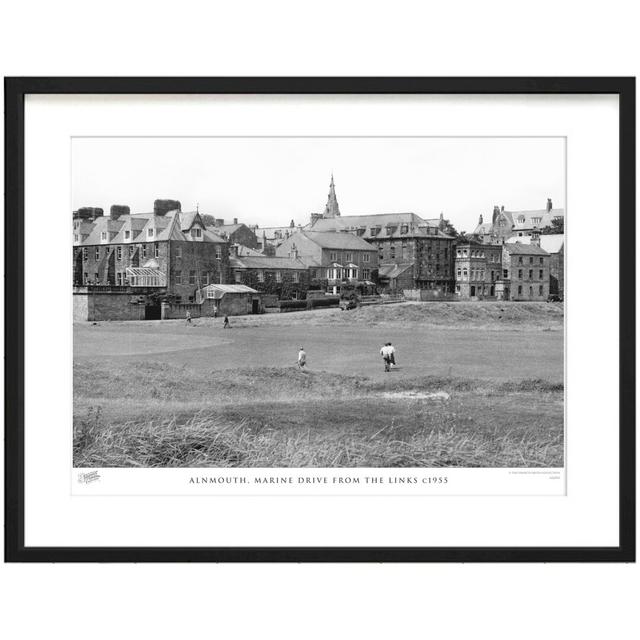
{"type": "Point", "coordinates": [171, 251]}
{"type": "Point", "coordinates": [478, 267]}
{"type": "Point", "coordinates": [236, 233]}
{"type": "Point", "coordinates": [525, 273]}
{"type": "Point", "coordinates": [412, 252]}
{"type": "Point", "coordinates": [336, 261]}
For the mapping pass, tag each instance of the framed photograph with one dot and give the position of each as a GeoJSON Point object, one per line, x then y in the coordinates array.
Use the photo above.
{"type": "Point", "coordinates": [320, 319]}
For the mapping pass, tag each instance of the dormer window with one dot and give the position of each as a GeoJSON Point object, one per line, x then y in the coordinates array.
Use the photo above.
{"type": "Point", "coordinates": [127, 235]}
{"type": "Point", "coordinates": [76, 237]}
{"type": "Point", "coordinates": [404, 228]}
{"type": "Point", "coordinates": [150, 233]}
{"type": "Point", "coordinates": [536, 220]}
{"type": "Point", "coordinates": [103, 236]}
{"type": "Point", "coordinates": [196, 232]}
{"type": "Point", "coordinates": [521, 219]}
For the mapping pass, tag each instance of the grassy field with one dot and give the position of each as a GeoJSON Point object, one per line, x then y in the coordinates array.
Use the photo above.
{"type": "Point", "coordinates": [167, 394]}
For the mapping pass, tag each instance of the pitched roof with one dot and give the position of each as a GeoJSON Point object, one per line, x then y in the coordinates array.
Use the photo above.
{"type": "Point", "coordinates": [337, 240]}
{"type": "Point", "coordinates": [266, 262]}
{"type": "Point", "coordinates": [551, 243]}
{"type": "Point", "coordinates": [524, 249]}
{"type": "Point", "coordinates": [382, 225]}
{"type": "Point", "coordinates": [220, 290]}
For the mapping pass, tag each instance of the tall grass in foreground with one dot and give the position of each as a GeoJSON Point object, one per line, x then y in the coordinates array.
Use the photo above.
{"type": "Point", "coordinates": [206, 441]}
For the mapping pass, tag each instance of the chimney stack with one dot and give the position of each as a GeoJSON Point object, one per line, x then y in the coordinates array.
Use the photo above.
{"type": "Point", "coordinates": [535, 238]}
{"type": "Point", "coordinates": [549, 204]}
{"type": "Point", "coordinates": [480, 219]}
{"type": "Point", "coordinates": [118, 210]}
{"type": "Point", "coordinates": [496, 212]}
{"type": "Point", "coordinates": [294, 252]}
{"type": "Point", "coordinates": [235, 221]}
{"type": "Point", "coordinates": [88, 213]}
{"type": "Point", "coordinates": [162, 207]}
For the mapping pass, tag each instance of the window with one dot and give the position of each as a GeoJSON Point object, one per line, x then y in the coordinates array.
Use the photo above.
{"type": "Point", "coordinates": [530, 260]}
{"type": "Point", "coordinates": [531, 292]}
{"type": "Point", "coordinates": [196, 232]}
{"type": "Point", "coordinates": [127, 235]}
{"type": "Point", "coordinates": [349, 257]}
{"type": "Point", "coordinates": [144, 250]}
{"type": "Point", "coordinates": [536, 220]}
{"type": "Point", "coordinates": [296, 276]}
{"type": "Point", "coordinates": [260, 276]}
{"type": "Point", "coordinates": [464, 253]}
{"type": "Point", "coordinates": [218, 253]}
{"type": "Point", "coordinates": [103, 236]}
{"type": "Point", "coordinates": [530, 274]}
{"type": "Point", "coordinates": [85, 254]}
{"type": "Point", "coordinates": [192, 277]}
{"type": "Point", "coordinates": [505, 273]}
{"type": "Point", "coordinates": [178, 277]}
{"type": "Point", "coordinates": [132, 250]}
{"type": "Point", "coordinates": [156, 250]}
{"type": "Point", "coordinates": [118, 253]}
{"type": "Point", "coordinates": [541, 272]}
{"type": "Point", "coordinates": [96, 277]}
{"type": "Point", "coordinates": [178, 252]}
{"type": "Point", "coordinates": [519, 289]}
{"type": "Point", "coordinates": [540, 290]}
{"type": "Point", "coordinates": [464, 274]}
{"type": "Point", "coordinates": [520, 260]}
{"type": "Point", "coordinates": [76, 237]}
{"type": "Point", "coordinates": [334, 256]}
{"type": "Point", "coordinates": [446, 254]}
{"type": "Point", "coordinates": [458, 288]}
{"type": "Point", "coordinates": [366, 274]}
{"type": "Point", "coordinates": [459, 273]}
{"type": "Point", "coordinates": [238, 277]}
{"type": "Point", "coordinates": [119, 278]}
{"type": "Point", "coordinates": [278, 276]}
{"type": "Point", "coordinates": [149, 233]}
{"type": "Point", "coordinates": [392, 251]}
{"type": "Point", "coordinates": [493, 275]}
{"type": "Point", "coordinates": [85, 278]}
{"type": "Point", "coordinates": [519, 274]}
{"type": "Point", "coordinates": [541, 260]}
{"type": "Point", "coordinates": [366, 257]}
{"type": "Point", "coordinates": [97, 253]}
{"type": "Point", "coordinates": [404, 228]}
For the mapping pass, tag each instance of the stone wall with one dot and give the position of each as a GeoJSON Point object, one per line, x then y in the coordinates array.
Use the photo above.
{"type": "Point", "coordinates": [97, 306]}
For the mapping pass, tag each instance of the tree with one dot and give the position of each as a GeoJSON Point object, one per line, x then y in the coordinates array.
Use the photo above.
{"type": "Point", "coordinates": [557, 226]}
{"type": "Point", "coordinates": [208, 220]}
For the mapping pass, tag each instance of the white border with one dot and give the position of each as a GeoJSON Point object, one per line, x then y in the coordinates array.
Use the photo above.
{"type": "Point", "coordinates": [587, 516]}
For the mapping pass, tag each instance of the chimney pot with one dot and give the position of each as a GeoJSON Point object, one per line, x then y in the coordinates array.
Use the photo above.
{"type": "Point", "coordinates": [549, 204]}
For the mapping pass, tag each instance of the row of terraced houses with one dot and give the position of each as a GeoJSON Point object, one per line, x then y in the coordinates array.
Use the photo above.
{"type": "Point", "coordinates": [142, 265]}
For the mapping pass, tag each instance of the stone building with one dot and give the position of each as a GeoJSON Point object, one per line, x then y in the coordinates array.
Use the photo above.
{"type": "Point", "coordinates": [525, 273]}
{"type": "Point", "coordinates": [285, 277]}
{"type": "Point", "coordinates": [478, 267]}
{"type": "Point", "coordinates": [553, 244]}
{"type": "Point", "coordinates": [170, 251]}
{"type": "Point", "coordinates": [505, 224]}
{"type": "Point", "coordinates": [337, 262]}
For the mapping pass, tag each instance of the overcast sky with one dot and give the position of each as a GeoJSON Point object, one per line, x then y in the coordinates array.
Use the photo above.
{"type": "Point", "coordinates": [269, 181]}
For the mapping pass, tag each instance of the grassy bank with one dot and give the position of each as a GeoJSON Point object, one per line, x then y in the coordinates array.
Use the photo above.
{"type": "Point", "coordinates": [154, 415]}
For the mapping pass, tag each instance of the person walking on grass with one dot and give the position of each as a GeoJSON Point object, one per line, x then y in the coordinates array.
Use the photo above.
{"type": "Point", "coordinates": [188, 317]}
{"type": "Point", "coordinates": [386, 356]}
{"type": "Point", "coordinates": [226, 324]}
{"type": "Point", "coordinates": [302, 359]}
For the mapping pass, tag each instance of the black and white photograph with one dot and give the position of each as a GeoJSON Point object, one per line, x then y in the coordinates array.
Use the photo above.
{"type": "Point", "coordinates": [318, 302]}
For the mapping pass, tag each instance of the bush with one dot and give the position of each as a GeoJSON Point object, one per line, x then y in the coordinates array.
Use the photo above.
{"type": "Point", "coordinates": [328, 301]}
{"type": "Point", "coordinates": [292, 305]}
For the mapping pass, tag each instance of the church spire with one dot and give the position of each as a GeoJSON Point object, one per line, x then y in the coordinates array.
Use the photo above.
{"type": "Point", "coordinates": [332, 209]}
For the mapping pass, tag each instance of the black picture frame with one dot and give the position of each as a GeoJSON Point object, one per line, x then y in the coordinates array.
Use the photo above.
{"type": "Point", "coordinates": [15, 91]}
